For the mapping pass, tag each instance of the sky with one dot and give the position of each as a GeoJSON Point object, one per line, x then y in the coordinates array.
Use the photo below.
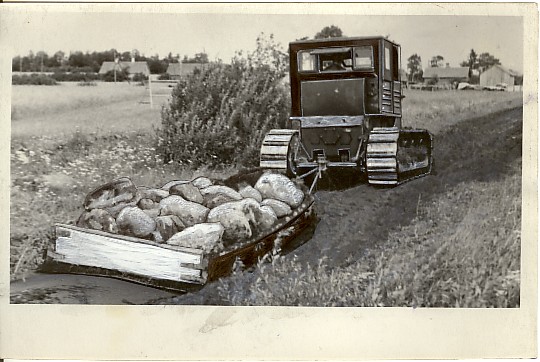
{"type": "Point", "coordinates": [220, 34]}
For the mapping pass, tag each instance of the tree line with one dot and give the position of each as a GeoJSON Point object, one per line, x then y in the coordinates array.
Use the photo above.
{"type": "Point", "coordinates": [90, 62]}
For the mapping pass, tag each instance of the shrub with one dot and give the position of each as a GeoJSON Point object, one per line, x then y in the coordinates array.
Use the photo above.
{"type": "Point", "coordinates": [164, 76]}
{"type": "Point", "coordinates": [121, 75]}
{"type": "Point", "coordinates": [75, 77]}
{"type": "Point", "coordinates": [32, 79]}
{"type": "Point", "coordinates": [139, 77]}
{"type": "Point", "coordinates": [221, 114]}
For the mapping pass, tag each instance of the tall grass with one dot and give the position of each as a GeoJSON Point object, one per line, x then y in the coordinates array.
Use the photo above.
{"type": "Point", "coordinates": [462, 250]}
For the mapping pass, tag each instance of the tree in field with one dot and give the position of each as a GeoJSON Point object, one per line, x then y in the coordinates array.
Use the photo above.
{"type": "Point", "coordinates": [472, 62]}
{"type": "Point", "coordinates": [414, 65]}
{"type": "Point", "coordinates": [201, 57]}
{"type": "Point", "coordinates": [486, 61]}
{"type": "Point", "coordinates": [437, 61]}
{"type": "Point", "coordinates": [331, 31]}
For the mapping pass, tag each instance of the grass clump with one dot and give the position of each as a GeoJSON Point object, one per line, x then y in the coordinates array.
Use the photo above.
{"type": "Point", "coordinates": [462, 250]}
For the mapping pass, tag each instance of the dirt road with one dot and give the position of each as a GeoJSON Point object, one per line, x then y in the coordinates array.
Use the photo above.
{"type": "Point", "coordinates": [353, 220]}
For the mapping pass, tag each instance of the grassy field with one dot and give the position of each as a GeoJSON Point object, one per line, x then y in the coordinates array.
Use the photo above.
{"type": "Point", "coordinates": [60, 111]}
{"type": "Point", "coordinates": [67, 140]}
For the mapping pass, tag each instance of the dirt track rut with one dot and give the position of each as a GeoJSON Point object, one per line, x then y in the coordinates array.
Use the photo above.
{"type": "Point", "coordinates": [353, 219]}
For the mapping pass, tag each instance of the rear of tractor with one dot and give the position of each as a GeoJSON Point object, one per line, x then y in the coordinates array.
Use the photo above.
{"type": "Point", "coordinates": [346, 113]}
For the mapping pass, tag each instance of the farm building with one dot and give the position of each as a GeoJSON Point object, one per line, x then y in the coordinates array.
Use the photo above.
{"type": "Point", "coordinates": [131, 67]}
{"type": "Point", "coordinates": [498, 74]}
{"type": "Point", "coordinates": [179, 70]}
{"type": "Point", "coordinates": [446, 76]}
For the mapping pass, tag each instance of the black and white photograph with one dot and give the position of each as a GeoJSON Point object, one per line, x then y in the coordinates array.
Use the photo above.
{"type": "Point", "coordinates": [182, 155]}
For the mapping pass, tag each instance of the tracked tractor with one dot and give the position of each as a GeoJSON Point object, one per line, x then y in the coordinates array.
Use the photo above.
{"type": "Point", "coordinates": [346, 96]}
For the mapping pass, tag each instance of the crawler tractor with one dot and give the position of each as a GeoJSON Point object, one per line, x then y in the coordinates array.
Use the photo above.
{"type": "Point", "coordinates": [346, 96]}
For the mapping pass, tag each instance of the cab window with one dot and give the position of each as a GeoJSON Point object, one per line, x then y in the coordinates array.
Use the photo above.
{"type": "Point", "coordinates": [363, 57]}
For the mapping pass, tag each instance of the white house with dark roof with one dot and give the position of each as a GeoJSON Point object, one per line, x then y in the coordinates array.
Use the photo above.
{"type": "Point", "coordinates": [179, 70]}
{"type": "Point", "coordinates": [446, 75]}
{"type": "Point", "coordinates": [132, 67]}
{"type": "Point", "coordinates": [498, 74]}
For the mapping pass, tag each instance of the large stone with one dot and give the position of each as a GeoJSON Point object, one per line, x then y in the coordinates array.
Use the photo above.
{"type": "Point", "coordinates": [279, 187]}
{"type": "Point", "coordinates": [259, 219]}
{"type": "Point", "coordinates": [134, 221]}
{"type": "Point", "coordinates": [98, 219]}
{"type": "Point", "coordinates": [266, 219]}
{"type": "Point", "coordinates": [218, 195]}
{"type": "Point", "coordinates": [188, 192]}
{"type": "Point", "coordinates": [115, 193]}
{"type": "Point", "coordinates": [206, 236]}
{"type": "Point", "coordinates": [155, 195]}
{"type": "Point", "coordinates": [235, 223]}
{"type": "Point", "coordinates": [280, 208]}
{"type": "Point", "coordinates": [170, 184]}
{"type": "Point", "coordinates": [249, 192]}
{"type": "Point", "coordinates": [189, 212]}
{"type": "Point", "coordinates": [168, 225]}
{"type": "Point", "coordinates": [202, 182]}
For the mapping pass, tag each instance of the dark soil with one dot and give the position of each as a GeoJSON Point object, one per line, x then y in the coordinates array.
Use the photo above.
{"type": "Point", "coordinates": [355, 218]}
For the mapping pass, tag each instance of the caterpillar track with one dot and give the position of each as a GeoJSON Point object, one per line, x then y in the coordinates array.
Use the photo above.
{"type": "Point", "coordinates": [278, 148]}
{"type": "Point", "coordinates": [395, 156]}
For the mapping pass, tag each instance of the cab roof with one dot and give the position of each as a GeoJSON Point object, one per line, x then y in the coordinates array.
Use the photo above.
{"type": "Point", "coordinates": [340, 40]}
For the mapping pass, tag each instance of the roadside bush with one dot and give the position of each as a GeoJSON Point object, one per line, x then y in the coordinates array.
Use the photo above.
{"type": "Point", "coordinates": [139, 77]}
{"type": "Point", "coordinates": [75, 77]}
{"type": "Point", "coordinates": [164, 76]}
{"type": "Point", "coordinates": [220, 115]}
{"type": "Point", "coordinates": [121, 76]}
{"type": "Point", "coordinates": [32, 79]}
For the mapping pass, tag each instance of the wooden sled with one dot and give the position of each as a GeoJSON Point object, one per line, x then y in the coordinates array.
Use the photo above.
{"type": "Point", "coordinates": [91, 252]}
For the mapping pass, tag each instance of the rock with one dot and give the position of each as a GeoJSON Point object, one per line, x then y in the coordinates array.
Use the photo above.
{"type": "Point", "coordinates": [235, 223]}
{"type": "Point", "coordinates": [206, 236]}
{"type": "Point", "coordinates": [259, 219]}
{"type": "Point", "coordinates": [189, 212]}
{"type": "Point", "coordinates": [266, 219]}
{"type": "Point", "coordinates": [170, 184]}
{"type": "Point", "coordinates": [98, 219]}
{"type": "Point", "coordinates": [168, 225]}
{"type": "Point", "coordinates": [279, 187]}
{"type": "Point", "coordinates": [250, 192]}
{"type": "Point", "coordinates": [188, 192]}
{"type": "Point", "coordinates": [146, 204]}
{"type": "Point", "coordinates": [202, 182]}
{"type": "Point", "coordinates": [280, 208]}
{"type": "Point", "coordinates": [115, 210]}
{"type": "Point", "coordinates": [155, 195]}
{"type": "Point", "coordinates": [134, 221]}
{"type": "Point", "coordinates": [121, 191]}
{"type": "Point", "coordinates": [217, 195]}
{"type": "Point", "coordinates": [153, 213]}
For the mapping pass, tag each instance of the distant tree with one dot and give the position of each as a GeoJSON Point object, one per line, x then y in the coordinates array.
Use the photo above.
{"type": "Point", "coordinates": [471, 63]}
{"type": "Point", "coordinates": [197, 58]}
{"type": "Point", "coordinates": [486, 61]}
{"type": "Point", "coordinates": [331, 31]}
{"type": "Point", "coordinates": [437, 61]}
{"type": "Point", "coordinates": [414, 65]}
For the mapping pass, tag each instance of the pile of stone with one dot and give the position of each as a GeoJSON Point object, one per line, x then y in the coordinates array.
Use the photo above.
{"type": "Point", "coordinates": [196, 214]}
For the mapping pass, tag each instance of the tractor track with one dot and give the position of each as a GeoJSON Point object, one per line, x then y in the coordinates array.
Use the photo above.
{"type": "Point", "coordinates": [354, 218]}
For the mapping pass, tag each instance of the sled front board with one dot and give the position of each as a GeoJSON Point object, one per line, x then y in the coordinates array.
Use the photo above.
{"type": "Point", "coordinates": [124, 254]}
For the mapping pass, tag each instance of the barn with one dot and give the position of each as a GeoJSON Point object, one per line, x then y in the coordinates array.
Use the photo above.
{"type": "Point", "coordinates": [498, 74]}
{"type": "Point", "coordinates": [179, 70]}
{"type": "Point", "coordinates": [446, 76]}
{"type": "Point", "coordinates": [132, 67]}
